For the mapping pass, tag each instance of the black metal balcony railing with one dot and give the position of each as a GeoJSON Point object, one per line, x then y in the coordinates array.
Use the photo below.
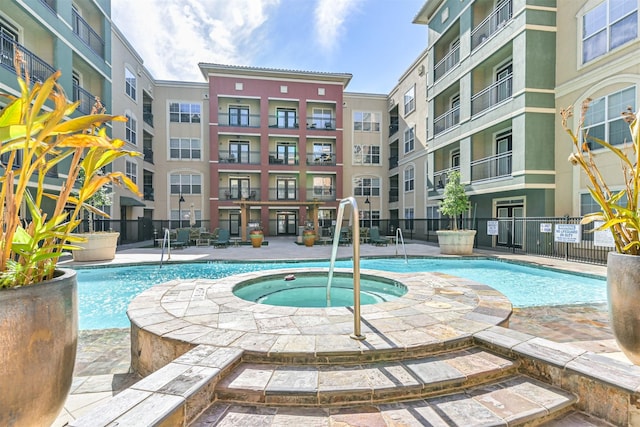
{"type": "Point", "coordinates": [321, 159]}
{"type": "Point", "coordinates": [492, 167]}
{"type": "Point", "coordinates": [236, 193]}
{"type": "Point", "coordinates": [491, 24]}
{"type": "Point", "coordinates": [279, 158]}
{"type": "Point", "coordinates": [148, 154]}
{"type": "Point", "coordinates": [248, 121]}
{"type": "Point", "coordinates": [393, 128]}
{"type": "Point", "coordinates": [446, 120]}
{"type": "Point", "coordinates": [327, 193]}
{"type": "Point", "coordinates": [280, 122]}
{"type": "Point", "coordinates": [148, 193]}
{"type": "Point", "coordinates": [393, 162]}
{"type": "Point", "coordinates": [394, 195]}
{"type": "Point", "coordinates": [38, 69]}
{"type": "Point", "coordinates": [148, 118]}
{"type": "Point", "coordinates": [283, 193]}
{"type": "Point", "coordinates": [448, 62]}
{"type": "Point", "coordinates": [84, 31]}
{"type": "Point", "coordinates": [242, 158]}
{"type": "Point", "coordinates": [320, 122]}
{"type": "Point", "coordinates": [495, 94]}
{"type": "Point", "coordinates": [86, 99]}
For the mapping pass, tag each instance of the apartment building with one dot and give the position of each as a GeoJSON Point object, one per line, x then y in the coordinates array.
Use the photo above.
{"type": "Point", "coordinates": [491, 105]}
{"type": "Point", "coordinates": [276, 148]}
{"type": "Point", "coordinates": [598, 59]}
{"type": "Point", "coordinates": [55, 35]}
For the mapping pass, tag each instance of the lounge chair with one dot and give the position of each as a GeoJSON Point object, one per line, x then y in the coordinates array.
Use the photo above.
{"type": "Point", "coordinates": [223, 239]}
{"type": "Point", "coordinates": [344, 238]}
{"type": "Point", "coordinates": [183, 238]}
{"type": "Point", "coordinates": [376, 239]}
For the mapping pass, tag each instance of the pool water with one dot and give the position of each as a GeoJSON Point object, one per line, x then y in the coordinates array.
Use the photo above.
{"type": "Point", "coordinates": [105, 293]}
{"type": "Point", "coordinates": [310, 290]}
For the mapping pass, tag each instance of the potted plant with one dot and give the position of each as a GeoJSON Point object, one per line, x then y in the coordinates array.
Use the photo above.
{"type": "Point", "coordinates": [619, 213]}
{"type": "Point", "coordinates": [38, 302]}
{"type": "Point", "coordinates": [308, 235]}
{"type": "Point", "coordinates": [455, 202]}
{"type": "Point", "coordinates": [256, 235]}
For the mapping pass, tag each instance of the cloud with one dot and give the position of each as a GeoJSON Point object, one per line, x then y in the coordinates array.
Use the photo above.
{"type": "Point", "coordinates": [173, 36]}
{"type": "Point", "coordinates": [330, 17]}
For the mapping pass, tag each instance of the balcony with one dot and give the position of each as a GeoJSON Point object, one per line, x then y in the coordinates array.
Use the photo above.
{"type": "Point", "coordinates": [86, 99]}
{"type": "Point", "coordinates": [394, 195]}
{"type": "Point", "coordinates": [148, 154]}
{"type": "Point", "coordinates": [235, 193]}
{"type": "Point", "coordinates": [326, 193]}
{"type": "Point", "coordinates": [84, 31]}
{"type": "Point", "coordinates": [492, 167]}
{"type": "Point", "coordinates": [493, 95]}
{"type": "Point", "coordinates": [38, 69]}
{"type": "Point", "coordinates": [447, 63]}
{"type": "Point", "coordinates": [241, 158]}
{"type": "Point", "coordinates": [148, 193]}
{"type": "Point", "coordinates": [393, 162]}
{"type": "Point", "coordinates": [243, 121]}
{"type": "Point", "coordinates": [283, 193]}
{"type": "Point", "coordinates": [491, 24]}
{"type": "Point", "coordinates": [321, 123]}
{"type": "Point", "coordinates": [321, 159]}
{"type": "Point", "coordinates": [148, 118]}
{"type": "Point", "coordinates": [278, 158]}
{"type": "Point", "coordinates": [447, 120]}
{"type": "Point", "coordinates": [440, 177]}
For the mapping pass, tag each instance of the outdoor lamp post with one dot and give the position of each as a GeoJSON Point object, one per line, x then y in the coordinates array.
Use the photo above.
{"type": "Point", "coordinates": [368, 203]}
{"type": "Point", "coordinates": [180, 201]}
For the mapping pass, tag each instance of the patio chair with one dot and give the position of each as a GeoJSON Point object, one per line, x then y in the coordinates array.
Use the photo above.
{"type": "Point", "coordinates": [183, 238]}
{"type": "Point", "coordinates": [223, 239]}
{"type": "Point", "coordinates": [376, 239]}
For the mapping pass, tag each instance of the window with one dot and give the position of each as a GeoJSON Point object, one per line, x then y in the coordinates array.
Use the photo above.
{"type": "Point", "coordinates": [131, 132]}
{"type": "Point", "coordinates": [603, 119]}
{"type": "Point", "coordinates": [286, 118]}
{"type": "Point", "coordinates": [433, 218]}
{"type": "Point", "coordinates": [8, 38]}
{"type": "Point", "coordinates": [322, 118]}
{"type": "Point", "coordinates": [286, 188]}
{"type": "Point", "coordinates": [238, 188]}
{"type": "Point", "coordinates": [366, 187]}
{"type": "Point", "coordinates": [175, 214]}
{"type": "Point", "coordinates": [607, 26]}
{"type": "Point", "coordinates": [322, 186]}
{"type": "Point", "coordinates": [182, 112]}
{"type": "Point", "coordinates": [409, 140]}
{"type": "Point", "coordinates": [186, 184]}
{"type": "Point", "coordinates": [130, 84]}
{"type": "Point", "coordinates": [184, 148]}
{"type": "Point", "coordinates": [322, 153]}
{"type": "Point", "coordinates": [131, 170]}
{"type": "Point", "coordinates": [239, 151]}
{"type": "Point", "coordinates": [286, 153]}
{"type": "Point", "coordinates": [366, 121]}
{"type": "Point", "coordinates": [408, 179]}
{"type": "Point", "coordinates": [410, 101]}
{"type": "Point", "coordinates": [366, 154]}
{"type": "Point", "coordinates": [238, 116]}
{"type": "Point", "coordinates": [408, 218]}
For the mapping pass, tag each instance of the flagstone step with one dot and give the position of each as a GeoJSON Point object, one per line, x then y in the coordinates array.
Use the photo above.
{"type": "Point", "coordinates": [364, 383]}
{"type": "Point", "coordinates": [516, 400]}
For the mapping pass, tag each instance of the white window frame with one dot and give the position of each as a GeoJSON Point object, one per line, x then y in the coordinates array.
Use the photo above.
{"type": "Point", "coordinates": [185, 183]}
{"type": "Point", "coordinates": [185, 112]}
{"type": "Point", "coordinates": [410, 100]}
{"type": "Point", "coordinates": [131, 129]}
{"type": "Point", "coordinates": [409, 139]}
{"type": "Point", "coordinates": [409, 178]}
{"type": "Point", "coordinates": [366, 186]}
{"type": "Point", "coordinates": [185, 148]}
{"type": "Point", "coordinates": [611, 114]}
{"type": "Point", "coordinates": [367, 121]}
{"type": "Point", "coordinates": [130, 83]}
{"type": "Point", "coordinates": [131, 170]}
{"type": "Point", "coordinates": [605, 29]}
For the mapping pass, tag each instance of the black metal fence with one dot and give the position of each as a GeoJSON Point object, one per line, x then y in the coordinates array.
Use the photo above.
{"type": "Point", "coordinates": [534, 236]}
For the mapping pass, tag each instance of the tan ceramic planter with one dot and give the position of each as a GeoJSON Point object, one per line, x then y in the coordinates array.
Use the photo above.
{"type": "Point", "coordinates": [39, 334]}
{"type": "Point", "coordinates": [456, 242]}
{"type": "Point", "coordinates": [623, 293]}
{"type": "Point", "coordinates": [98, 247]}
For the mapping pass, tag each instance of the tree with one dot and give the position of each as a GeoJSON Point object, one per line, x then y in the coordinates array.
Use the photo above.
{"type": "Point", "coordinates": [455, 200]}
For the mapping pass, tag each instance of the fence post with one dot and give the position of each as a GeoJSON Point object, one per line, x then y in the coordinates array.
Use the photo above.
{"type": "Point", "coordinates": [513, 233]}
{"type": "Point", "coordinates": [566, 244]}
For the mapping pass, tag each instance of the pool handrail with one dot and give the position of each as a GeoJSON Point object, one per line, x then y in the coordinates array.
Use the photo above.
{"type": "Point", "coordinates": [355, 238]}
{"type": "Point", "coordinates": [400, 237]}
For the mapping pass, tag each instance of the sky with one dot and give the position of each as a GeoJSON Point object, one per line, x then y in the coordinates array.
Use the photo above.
{"type": "Point", "coordinates": [374, 40]}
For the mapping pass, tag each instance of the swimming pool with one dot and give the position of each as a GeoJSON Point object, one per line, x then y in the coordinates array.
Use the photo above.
{"type": "Point", "coordinates": [104, 293]}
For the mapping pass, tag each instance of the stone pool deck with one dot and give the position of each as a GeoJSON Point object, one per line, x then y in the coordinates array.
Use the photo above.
{"type": "Point", "coordinates": [99, 374]}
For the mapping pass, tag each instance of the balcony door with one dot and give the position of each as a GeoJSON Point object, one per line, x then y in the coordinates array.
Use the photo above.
{"type": "Point", "coordinates": [286, 154]}
{"type": "Point", "coordinates": [239, 152]}
{"type": "Point", "coordinates": [238, 116]}
{"type": "Point", "coordinates": [239, 188]}
{"type": "Point", "coordinates": [503, 80]}
{"type": "Point", "coordinates": [287, 118]}
{"type": "Point", "coordinates": [503, 148]}
{"type": "Point", "coordinates": [286, 188]}
{"type": "Point", "coordinates": [287, 223]}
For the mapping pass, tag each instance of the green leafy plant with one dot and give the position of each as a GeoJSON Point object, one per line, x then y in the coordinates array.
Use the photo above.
{"type": "Point", "coordinates": [455, 200]}
{"type": "Point", "coordinates": [622, 219]}
{"type": "Point", "coordinates": [36, 136]}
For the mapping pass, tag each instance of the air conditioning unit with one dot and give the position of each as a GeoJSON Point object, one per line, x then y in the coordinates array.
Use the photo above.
{"type": "Point", "coordinates": [421, 70]}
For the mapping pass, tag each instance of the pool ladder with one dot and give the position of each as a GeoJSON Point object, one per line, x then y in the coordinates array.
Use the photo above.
{"type": "Point", "coordinates": [357, 335]}
{"type": "Point", "coordinates": [400, 238]}
{"type": "Point", "coordinates": [166, 241]}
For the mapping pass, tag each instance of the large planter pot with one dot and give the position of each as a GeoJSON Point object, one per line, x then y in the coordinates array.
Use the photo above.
{"type": "Point", "coordinates": [456, 242]}
{"type": "Point", "coordinates": [38, 338]}
{"type": "Point", "coordinates": [256, 238]}
{"type": "Point", "coordinates": [623, 292]}
{"type": "Point", "coordinates": [98, 247]}
{"type": "Point", "coordinates": [308, 237]}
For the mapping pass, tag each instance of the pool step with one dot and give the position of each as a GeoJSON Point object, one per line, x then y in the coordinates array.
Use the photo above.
{"type": "Point", "coordinates": [365, 383]}
{"type": "Point", "coordinates": [516, 400]}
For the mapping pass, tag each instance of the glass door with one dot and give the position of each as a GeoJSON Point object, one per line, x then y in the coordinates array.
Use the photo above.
{"type": "Point", "coordinates": [287, 223]}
